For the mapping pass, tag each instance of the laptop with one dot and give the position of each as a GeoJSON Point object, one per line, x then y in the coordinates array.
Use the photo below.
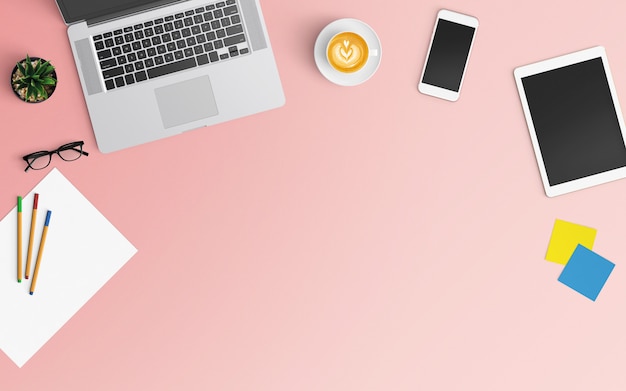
{"type": "Point", "coordinates": [151, 69]}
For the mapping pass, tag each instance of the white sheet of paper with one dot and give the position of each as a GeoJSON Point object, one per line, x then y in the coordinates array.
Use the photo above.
{"type": "Point", "coordinates": [83, 250]}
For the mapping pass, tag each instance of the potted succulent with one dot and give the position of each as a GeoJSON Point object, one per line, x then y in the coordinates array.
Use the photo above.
{"type": "Point", "coordinates": [33, 79]}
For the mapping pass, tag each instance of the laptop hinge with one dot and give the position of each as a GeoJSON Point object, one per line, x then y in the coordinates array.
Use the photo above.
{"type": "Point", "coordinates": [132, 11]}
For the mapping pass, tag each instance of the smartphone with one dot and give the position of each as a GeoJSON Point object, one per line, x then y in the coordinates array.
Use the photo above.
{"type": "Point", "coordinates": [448, 54]}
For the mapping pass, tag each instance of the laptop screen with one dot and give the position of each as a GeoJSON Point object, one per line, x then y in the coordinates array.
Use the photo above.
{"type": "Point", "coordinates": [79, 10]}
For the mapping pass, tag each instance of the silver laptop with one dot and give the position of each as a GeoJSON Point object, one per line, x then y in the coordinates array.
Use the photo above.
{"type": "Point", "coordinates": [152, 69]}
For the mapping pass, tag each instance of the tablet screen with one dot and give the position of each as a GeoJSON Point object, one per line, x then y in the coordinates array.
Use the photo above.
{"type": "Point", "coordinates": [574, 117]}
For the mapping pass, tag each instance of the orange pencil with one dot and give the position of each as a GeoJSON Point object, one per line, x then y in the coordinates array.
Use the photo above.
{"type": "Point", "coordinates": [33, 222]}
{"type": "Point", "coordinates": [40, 253]}
{"type": "Point", "coordinates": [19, 238]}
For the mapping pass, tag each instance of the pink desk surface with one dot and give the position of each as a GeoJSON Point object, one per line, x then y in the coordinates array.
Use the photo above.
{"type": "Point", "coordinates": [358, 238]}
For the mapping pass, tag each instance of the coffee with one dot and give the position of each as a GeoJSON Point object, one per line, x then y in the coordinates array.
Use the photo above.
{"type": "Point", "coordinates": [347, 52]}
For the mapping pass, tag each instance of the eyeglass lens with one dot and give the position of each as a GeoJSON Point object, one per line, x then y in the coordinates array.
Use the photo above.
{"type": "Point", "coordinates": [40, 161]}
{"type": "Point", "coordinates": [70, 152]}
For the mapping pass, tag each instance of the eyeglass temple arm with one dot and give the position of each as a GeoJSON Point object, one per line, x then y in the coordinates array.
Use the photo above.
{"type": "Point", "coordinates": [81, 151]}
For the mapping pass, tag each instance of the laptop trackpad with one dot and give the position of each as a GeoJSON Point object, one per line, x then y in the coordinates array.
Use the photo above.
{"type": "Point", "coordinates": [187, 101]}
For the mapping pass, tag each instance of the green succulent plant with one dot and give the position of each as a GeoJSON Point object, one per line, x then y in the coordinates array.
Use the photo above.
{"type": "Point", "coordinates": [34, 77]}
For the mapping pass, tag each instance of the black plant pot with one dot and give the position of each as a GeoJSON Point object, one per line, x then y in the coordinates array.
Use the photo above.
{"type": "Point", "coordinates": [49, 89]}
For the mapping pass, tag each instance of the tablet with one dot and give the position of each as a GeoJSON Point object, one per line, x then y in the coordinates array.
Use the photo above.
{"type": "Point", "coordinates": [574, 119]}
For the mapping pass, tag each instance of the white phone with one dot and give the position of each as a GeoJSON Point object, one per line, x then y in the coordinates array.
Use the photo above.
{"type": "Point", "coordinates": [448, 54]}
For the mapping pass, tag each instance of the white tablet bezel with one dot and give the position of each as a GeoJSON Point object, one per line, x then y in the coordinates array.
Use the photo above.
{"type": "Point", "coordinates": [458, 18]}
{"type": "Point", "coordinates": [555, 63]}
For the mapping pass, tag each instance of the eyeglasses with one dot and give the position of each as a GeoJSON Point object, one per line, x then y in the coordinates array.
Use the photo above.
{"type": "Point", "coordinates": [68, 152]}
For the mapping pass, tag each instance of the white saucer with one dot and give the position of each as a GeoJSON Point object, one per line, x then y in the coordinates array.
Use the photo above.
{"type": "Point", "coordinates": [365, 31]}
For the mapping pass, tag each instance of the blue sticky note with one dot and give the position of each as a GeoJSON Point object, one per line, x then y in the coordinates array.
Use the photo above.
{"type": "Point", "coordinates": [586, 272]}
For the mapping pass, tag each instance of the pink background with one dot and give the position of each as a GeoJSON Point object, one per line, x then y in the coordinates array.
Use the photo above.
{"type": "Point", "coordinates": [358, 238]}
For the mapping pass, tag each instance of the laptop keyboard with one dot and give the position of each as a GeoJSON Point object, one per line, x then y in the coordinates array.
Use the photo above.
{"type": "Point", "coordinates": [169, 44]}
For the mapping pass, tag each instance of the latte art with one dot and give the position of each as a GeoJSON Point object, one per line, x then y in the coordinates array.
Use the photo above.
{"type": "Point", "coordinates": [347, 52]}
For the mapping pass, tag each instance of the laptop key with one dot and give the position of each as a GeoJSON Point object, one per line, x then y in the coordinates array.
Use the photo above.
{"type": "Point", "coordinates": [130, 79]}
{"type": "Point", "coordinates": [230, 10]}
{"type": "Point", "coordinates": [172, 67]}
{"type": "Point", "coordinates": [104, 54]}
{"type": "Point", "coordinates": [112, 72]}
{"type": "Point", "coordinates": [202, 59]}
{"type": "Point", "coordinates": [141, 76]}
{"type": "Point", "coordinates": [232, 30]}
{"type": "Point", "coordinates": [235, 39]}
{"type": "Point", "coordinates": [110, 63]}
{"type": "Point", "coordinates": [110, 84]}
{"type": "Point", "coordinates": [119, 82]}
{"type": "Point", "coordinates": [213, 56]}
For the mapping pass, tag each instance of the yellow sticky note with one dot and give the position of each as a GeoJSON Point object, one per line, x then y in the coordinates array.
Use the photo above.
{"type": "Point", "coordinates": [565, 237]}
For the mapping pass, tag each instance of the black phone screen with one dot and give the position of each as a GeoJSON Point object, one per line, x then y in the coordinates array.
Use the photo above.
{"type": "Point", "coordinates": [448, 55]}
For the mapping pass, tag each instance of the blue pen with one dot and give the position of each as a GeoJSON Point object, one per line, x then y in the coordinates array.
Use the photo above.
{"type": "Point", "coordinates": [41, 244]}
